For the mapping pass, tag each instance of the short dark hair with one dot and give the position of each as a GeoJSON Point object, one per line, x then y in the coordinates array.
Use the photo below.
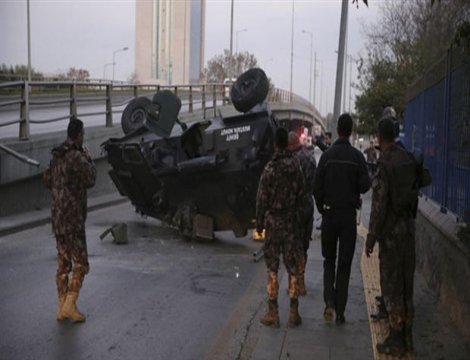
{"type": "Point", "coordinates": [345, 124]}
{"type": "Point", "coordinates": [74, 128]}
{"type": "Point", "coordinates": [281, 138]}
{"type": "Point", "coordinates": [386, 130]}
{"type": "Point", "coordinates": [329, 134]}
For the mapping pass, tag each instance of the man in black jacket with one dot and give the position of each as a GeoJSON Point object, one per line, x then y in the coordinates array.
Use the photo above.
{"type": "Point", "coordinates": [340, 178]}
{"type": "Point", "coordinates": [325, 144]}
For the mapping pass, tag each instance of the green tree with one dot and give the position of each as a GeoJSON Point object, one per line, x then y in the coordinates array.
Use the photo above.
{"type": "Point", "coordinates": [408, 38]}
{"type": "Point", "coordinates": [217, 69]}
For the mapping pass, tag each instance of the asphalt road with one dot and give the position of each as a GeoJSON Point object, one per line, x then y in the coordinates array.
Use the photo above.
{"type": "Point", "coordinates": [158, 297]}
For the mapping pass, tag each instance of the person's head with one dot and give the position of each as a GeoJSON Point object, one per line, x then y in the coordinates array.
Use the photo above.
{"type": "Point", "coordinates": [294, 141]}
{"type": "Point", "coordinates": [371, 144]}
{"type": "Point", "coordinates": [385, 133]}
{"type": "Point", "coordinates": [345, 124]}
{"type": "Point", "coordinates": [281, 139]}
{"type": "Point", "coordinates": [75, 131]}
{"type": "Point", "coordinates": [389, 112]}
{"type": "Point", "coordinates": [328, 136]}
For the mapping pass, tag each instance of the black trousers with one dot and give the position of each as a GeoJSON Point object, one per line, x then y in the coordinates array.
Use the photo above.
{"type": "Point", "coordinates": [338, 226]}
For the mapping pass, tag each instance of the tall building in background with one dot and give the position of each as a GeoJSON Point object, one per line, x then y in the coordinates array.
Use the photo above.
{"type": "Point", "coordinates": [169, 41]}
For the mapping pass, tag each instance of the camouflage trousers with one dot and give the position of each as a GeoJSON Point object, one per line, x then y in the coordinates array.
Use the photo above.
{"type": "Point", "coordinates": [72, 257]}
{"type": "Point", "coordinates": [282, 239]}
{"type": "Point", "coordinates": [397, 267]}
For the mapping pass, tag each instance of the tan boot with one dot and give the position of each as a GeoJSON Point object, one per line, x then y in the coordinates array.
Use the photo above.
{"type": "Point", "coordinates": [301, 285]}
{"type": "Point", "coordinates": [302, 291]}
{"type": "Point", "coordinates": [294, 317]}
{"type": "Point", "coordinates": [60, 305]}
{"type": "Point", "coordinates": [272, 287]}
{"type": "Point", "coordinates": [69, 309]}
{"type": "Point", "coordinates": [271, 318]}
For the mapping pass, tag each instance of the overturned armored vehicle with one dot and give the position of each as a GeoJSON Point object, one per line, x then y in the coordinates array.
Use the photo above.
{"type": "Point", "coordinates": [199, 176]}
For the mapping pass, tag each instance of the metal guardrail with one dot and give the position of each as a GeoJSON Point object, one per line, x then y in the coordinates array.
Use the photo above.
{"type": "Point", "coordinates": [43, 93]}
{"type": "Point", "coordinates": [74, 93]}
{"type": "Point", "coordinates": [19, 156]}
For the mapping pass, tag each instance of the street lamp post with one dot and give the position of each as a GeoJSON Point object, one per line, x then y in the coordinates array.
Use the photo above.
{"type": "Point", "coordinates": [231, 42]}
{"type": "Point", "coordinates": [311, 62]}
{"type": "Point", "coordinates": [236, 39]}
{"type": "Point", "coordinates": [29, 42]}
{"type": "Point", "coordinates": [292, 52]}
{"type": "Point", "coordinates": [104, 69]}
{"type": "Point", "coordinates": [114, 57]}
{"type": "Point", "coordinates": [351, 60]}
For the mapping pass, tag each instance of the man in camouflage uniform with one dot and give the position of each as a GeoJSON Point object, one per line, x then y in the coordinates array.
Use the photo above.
{"type": "Point", "coordinates": [279, 194]}
{"type": "Point", "coordinates": [308, 165]}
{"type": "Point", "coordinates": [70, 173]}
{"type": "Point", "coordinates": [395, 191]}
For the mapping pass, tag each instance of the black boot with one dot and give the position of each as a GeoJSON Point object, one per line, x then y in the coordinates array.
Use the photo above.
{"type": "Point", "coordinates": [408, 334]}
{"type": "Point", "coordinates": [393, 345]}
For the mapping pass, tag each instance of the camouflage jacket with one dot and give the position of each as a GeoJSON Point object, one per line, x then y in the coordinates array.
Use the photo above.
{"type": "Point", "coordinates": [70, 172]}
{"type": "Point", "coordinates": [308, 165]}
{"type": "Point", "coordinates": [281, 188]}
{"type": "Point", "coordinates": [383, 217]}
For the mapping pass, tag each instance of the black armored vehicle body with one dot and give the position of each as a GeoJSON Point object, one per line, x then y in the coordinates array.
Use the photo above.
{"type": "Point", "coordinates": [200, 176]}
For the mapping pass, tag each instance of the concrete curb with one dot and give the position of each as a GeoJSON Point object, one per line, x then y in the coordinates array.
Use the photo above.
{"type": "Point", "coordinates": [23, 221]}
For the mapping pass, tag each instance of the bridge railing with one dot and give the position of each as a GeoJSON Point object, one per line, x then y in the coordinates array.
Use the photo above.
{"type": "Point", "coordinates": [23, 96]}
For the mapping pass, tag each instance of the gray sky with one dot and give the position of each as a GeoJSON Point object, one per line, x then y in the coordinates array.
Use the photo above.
{"type": "Point", "coordinates": [85, 33]}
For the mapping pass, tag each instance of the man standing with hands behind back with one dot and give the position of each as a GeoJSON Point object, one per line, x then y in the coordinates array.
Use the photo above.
{"type": "Point", "coordinates": [70, 172]}
{"type": "Point", "coordinates": [340, 178]}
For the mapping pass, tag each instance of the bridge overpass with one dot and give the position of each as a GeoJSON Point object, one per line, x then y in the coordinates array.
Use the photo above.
{"type": "Point", "coordinates": [32, 106]}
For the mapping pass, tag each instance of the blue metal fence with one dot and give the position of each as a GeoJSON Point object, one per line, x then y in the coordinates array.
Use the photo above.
{"type": "Point", "coordinates": [437, 125]}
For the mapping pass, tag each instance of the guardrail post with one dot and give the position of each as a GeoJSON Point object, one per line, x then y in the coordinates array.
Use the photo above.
{"type": "Point", "coordinates": [73, 103]}
{"type": "Point", "coordinates": [214, 99]}
{"type": "Point", "coordinates": [204, 100]}
{"type": "Point", "coordinates": [24, 112]}
{"type": "Point", "coordinates": [109, 105]}
{"type": "Point", "coordinates": [190, 98]}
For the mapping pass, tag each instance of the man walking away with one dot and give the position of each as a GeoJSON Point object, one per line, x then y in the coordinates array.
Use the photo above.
{"type": "Point", "coordinates": [340, 178]}
{"type": "Point", "coordinates": [305, 211]}
{"type": "Point", "coordinates": [280, 193]}
{"type": "Point", "coordinates": [394, 199]}
{"type": "Point", "coordinates": [70, 172]}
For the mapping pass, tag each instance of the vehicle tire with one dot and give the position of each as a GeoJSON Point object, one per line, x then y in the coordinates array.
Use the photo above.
{"type": "Point", "coordinates": [133, 115]}
{"type": "Point", "coordinates": [251, 88]}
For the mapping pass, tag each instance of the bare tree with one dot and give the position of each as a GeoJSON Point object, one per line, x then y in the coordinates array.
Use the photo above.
{"type": "Point", "coordinates": [218, 68]}
{"type": "Point", "coordinates": [77, 74]}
